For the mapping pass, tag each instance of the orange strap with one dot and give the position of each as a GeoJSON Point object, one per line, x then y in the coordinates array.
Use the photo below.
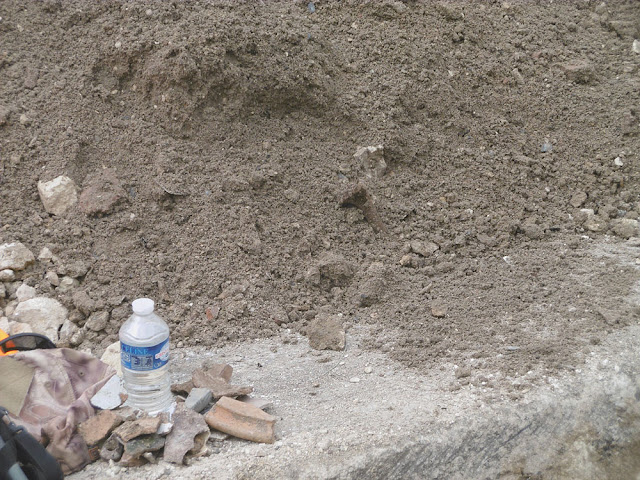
{"type": "Point", "coordinates": [4, 335]}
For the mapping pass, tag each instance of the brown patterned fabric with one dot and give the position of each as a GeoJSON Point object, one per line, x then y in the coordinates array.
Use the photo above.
{"type": "Point", "coordinates": [59, 399]}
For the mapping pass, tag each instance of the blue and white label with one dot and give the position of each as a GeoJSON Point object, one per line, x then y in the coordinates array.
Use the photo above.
{"type": "Point", "coordinates": [142, 359]}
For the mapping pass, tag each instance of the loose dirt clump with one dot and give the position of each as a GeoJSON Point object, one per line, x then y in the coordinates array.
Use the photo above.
{"type": "Point", "coordinates": [212, 144]}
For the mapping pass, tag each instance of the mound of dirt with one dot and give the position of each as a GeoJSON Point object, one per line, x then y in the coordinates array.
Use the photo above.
{"type": "Point", "coordinates": [212, 144]}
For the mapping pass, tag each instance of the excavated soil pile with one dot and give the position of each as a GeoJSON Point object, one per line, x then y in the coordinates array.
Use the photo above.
{"type": "Point", "coordinates": [213, 146]}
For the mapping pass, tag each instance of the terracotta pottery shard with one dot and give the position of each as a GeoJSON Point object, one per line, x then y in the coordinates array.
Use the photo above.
{"type": "Point", "coordinates": [242, 420]}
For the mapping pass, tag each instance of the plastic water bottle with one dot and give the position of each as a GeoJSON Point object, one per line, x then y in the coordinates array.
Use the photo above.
{"type": "Point", "coordinates": [144, 354]}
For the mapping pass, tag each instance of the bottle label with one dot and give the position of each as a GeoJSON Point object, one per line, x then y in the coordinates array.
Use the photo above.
{"type": "Point", "coordinates": [142, 359]}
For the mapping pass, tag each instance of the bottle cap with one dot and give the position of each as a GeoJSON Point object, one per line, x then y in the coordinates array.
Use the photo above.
{"type": "Point", "coordinates": [143, 306]}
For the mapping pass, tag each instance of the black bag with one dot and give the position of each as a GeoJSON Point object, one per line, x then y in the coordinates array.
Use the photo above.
{"type": "Point", "coordinates": [22, 457]}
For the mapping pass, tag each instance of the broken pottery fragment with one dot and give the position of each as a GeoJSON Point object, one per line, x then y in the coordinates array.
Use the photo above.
{"type": "Point", "coordinates": [96, 428]}
{"type": "Point", "coordinates": [241, 420]}
{"type": "Point", "coordinates": [111, 449]}
{"type": "Point", "coordinates": [189, 435]}
{"type": "Point", "coordinates": [144, 443]}
{"type": "Point", "coordinates": [135, 428]}
{"type": "Point", "coordinates": [219, 386]}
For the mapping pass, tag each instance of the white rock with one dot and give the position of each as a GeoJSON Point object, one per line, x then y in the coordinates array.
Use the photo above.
{"type": "Point", "coordinates": [625, 227]}
{"type": "Point", "coordinates": [7, 275]}
{"type": "Point", "coordinates": [111, 357]}
{"type": "Point", "coordinates": [15, 256]}
{"type": "Point", "coordinates": [3, 290]}
{"type": "Point", "coordinates": [108, 397]}
{"type": "Point", "coordinates": [368, 370]}
{"type": "Point", "coordinates": [68, 333]}
{"type": "Point", "coordinates": [45, 315]}
{"type": "Point", "coordinates": [4, 324]}
{"type": "Point", "coordinates": [25, 292]}
{"type": "Point", "coordinates": [98, 321]}
{"type": "Point", "coordinates": [58, 195]}
{"type": "Point", "coordinates": [52, 278]}
{"type": "Point", "coordinates": [635, 46]}
{"type": "Point", "coordinates": [372, 159]}
{"type": "Point", "coordinates": [354, 380]}
{"type": "Point", "coordinates": [165, 428]}
{"type": "Point", "coordinates": [10, 308]}
{"type": "Point", "coordinates": [618, 161]}
{"type": "Point", "coordinates": [67, 283]}
{"type": "Point", "coordinates": [46, 255]}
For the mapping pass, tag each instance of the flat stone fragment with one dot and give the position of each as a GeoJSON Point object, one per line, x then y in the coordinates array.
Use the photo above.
{"type": "Point", "coordinates": [109, 396]}
{"type": "Point", "coordinates": [144, 443]}
{"type": "Point", "coordinates": [58, 195]}
{"type": "Point", "coordinates": [15, 256]}
{"type": "Point", "coordinates": [242, 420]}
{"type": "Point", "coordinates": [189, 435]}
{"type": "Point", "coordinates": [96, 428]}
{"type": "Point", "coordinates": [135, 428]}
{"type": "Point", "coordinates": [198, 399]}
{"type": "Point", "coordinates": [219, 387]}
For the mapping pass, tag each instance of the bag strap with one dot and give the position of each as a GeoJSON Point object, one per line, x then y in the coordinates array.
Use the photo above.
{"type": "Point", "coordinates": [36, 462]}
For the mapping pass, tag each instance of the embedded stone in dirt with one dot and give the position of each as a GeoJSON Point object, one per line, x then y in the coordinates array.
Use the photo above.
{"type": "Point", "coordinates": [332, 270]}
{"type": "Point", "coordinates": [424, 249]}
{"type": "Point", "coordinates": [58, 195]}
{"type": "Point", "coordinates": [45, 315]}
{"type": "Point", "coordinates": [372, 159]}
{"type": "Point", "coordinates": [625, 227]}
{"type": "Point", "coordinates": [96, 428]}
{"type": "Point", "coordinates": [102, 193]}
{"type": "Point", "coordinates": [372, 290]}
{"type": "Point", "coordinates": [189, 435]}
{"type": "Point", "coordinates": [98, 321]}
{"type": "Point", "coordinates": [241, 420]}
{"type": "Point", "coordinates": [439, 310]}
{"type": "Point", "coordinates": [15, 256]}
{"type": "Point", "coordinates": [578, 199]}
{"type": "Point", "coordinates": [326, 332]}
{"type": "Point", "coordinates": [578, 71]}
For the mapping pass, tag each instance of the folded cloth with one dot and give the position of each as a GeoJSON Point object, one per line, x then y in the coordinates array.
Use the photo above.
{"type": "Point", "coordinates": [58, 399]}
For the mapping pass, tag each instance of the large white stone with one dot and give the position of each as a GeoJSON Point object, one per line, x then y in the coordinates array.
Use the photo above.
{"type": "Point", "coordinates": [15, 256]}
{"type": "Point", "coordinates": [111, 357]}
{"type": "Point", "coordinates": [58, 195]}
{"type": "Point", "coordinates": [25, 292]}
{"type": "Point", "coordinates": [45, 315]}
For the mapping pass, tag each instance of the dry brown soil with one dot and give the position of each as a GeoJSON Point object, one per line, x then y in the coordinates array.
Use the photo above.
{"type": "Point", "coordinates": [231, 128]}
